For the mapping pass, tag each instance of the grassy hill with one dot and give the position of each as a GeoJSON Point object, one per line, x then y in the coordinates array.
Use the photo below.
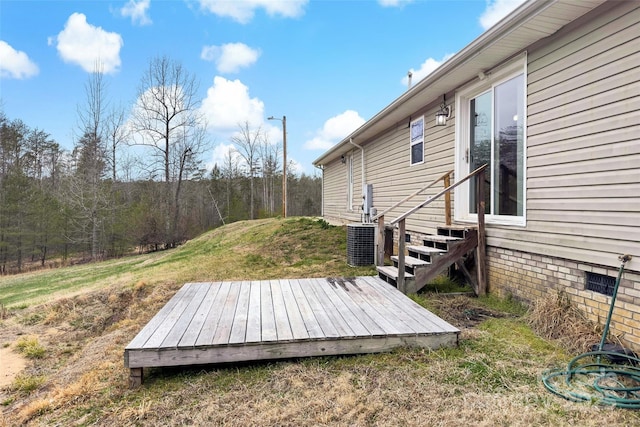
{"type": "Point", "coordinates": [72, 325]}
{"type": "Point", "coordinates": [262, 249]}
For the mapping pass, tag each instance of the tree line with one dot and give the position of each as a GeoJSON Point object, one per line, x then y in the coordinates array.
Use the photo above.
{"type": "Point", "coordinates": [135, 179]}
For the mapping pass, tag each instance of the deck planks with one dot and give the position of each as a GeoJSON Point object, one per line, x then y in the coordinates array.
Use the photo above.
{"type": "Point", "coordinates": [227, 317]}
{"type": "Point", "coordinates": [254, 321]}
{"type": "Point", "coordinates": [208, 331]}
{"type": "Point", "coordinates": [236, 321]}
{"type": "Point", "coordinates": [298, 328]}
{"type": "Point", "coordinates": [269, 330]}
{"type": "Point", "coordinates": [164, 328]}
{"type": "Point", "coordinates": [239, 327]}
{"type": "Point", "coordinates": [283, 327]}
{"type": "Point", "coordinates": [191, 304]}
{"type": "Point", "coordinates": [311, 324]}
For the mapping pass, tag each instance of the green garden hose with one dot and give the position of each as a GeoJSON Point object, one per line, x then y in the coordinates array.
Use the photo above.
{"type": "Point", "coordinates": [588, 379]}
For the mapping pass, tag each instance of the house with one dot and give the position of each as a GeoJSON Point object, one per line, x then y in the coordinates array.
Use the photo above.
{"type": "Point", "coordinates": [549, 98]}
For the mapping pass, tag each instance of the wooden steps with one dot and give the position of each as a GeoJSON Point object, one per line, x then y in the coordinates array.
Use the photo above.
{"type": "Point", "coordinates": [389, 274]}
{"type": "Point", "coordinates": [410, 262]}
{"type": "Point", "coordinates": [440, 251]}
{"type": "Point", "coordinates": [425, 253]}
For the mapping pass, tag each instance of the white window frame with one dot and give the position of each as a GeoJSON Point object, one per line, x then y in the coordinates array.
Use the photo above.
{"type": "Point", "coordinates": [417, 126]}
{"type": "Point", "coordinates": [514, 68]}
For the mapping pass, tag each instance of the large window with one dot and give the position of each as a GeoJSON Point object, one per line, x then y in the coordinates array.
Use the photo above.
{"type": "Point", "coordinates": [417, 141]}
{"type": "Point", "coordinates": [492, 131]}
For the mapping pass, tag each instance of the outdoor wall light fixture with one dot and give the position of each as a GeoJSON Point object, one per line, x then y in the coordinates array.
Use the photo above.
{"type": "Point", "coordinates": [343, 159]}
{"type": "Point", "coordinates": [444, 113]}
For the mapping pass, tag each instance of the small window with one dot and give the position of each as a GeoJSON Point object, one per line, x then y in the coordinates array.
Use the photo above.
{"type": "Point", "coordinates": [600, 283]}
{"type": "Point", "coordinates": [417, 141]}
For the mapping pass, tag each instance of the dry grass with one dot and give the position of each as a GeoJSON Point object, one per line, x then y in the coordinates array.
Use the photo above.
{"type": "Point", "coordinates": [491, 379]}
{"type": "Point", "coordinates": [554, 317]}
{"type": "Point", "coordinates": [30, 347]}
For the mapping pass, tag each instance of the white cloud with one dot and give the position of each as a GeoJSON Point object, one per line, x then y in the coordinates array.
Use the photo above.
{"type": "Point", "coordinates": [85, 45]}
{"type": "Point", "coordinates": [393, 3]}
{"type": "Point", "coordinates": [228, 104]}
{"type": "Point", "coordinates": [137, 11]}
{"type": "Point", "coordinates": [243, 11]}
{"type": "Point", "coordinates": [14, 63]}
{"type": "Point", "coordinates": [335, 129]}
{"type": "Point", "coordinates": [230, 57]}
{"type": "Point", "coordinates": [294, 167]}
{"type": "Point", "coordinates": [425, 69]}
{"type": "Point", "coordinates": [496, 10]}
{"type": "Point", "coordinates": [220, 154]}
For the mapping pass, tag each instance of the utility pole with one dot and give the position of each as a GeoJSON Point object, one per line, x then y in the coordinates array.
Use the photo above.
{"type": "Point", "coordinates": [284, 163]}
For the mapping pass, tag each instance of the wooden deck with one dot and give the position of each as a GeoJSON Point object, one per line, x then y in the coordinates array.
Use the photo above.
{"type": "Point", "coordinates": [221, 322]}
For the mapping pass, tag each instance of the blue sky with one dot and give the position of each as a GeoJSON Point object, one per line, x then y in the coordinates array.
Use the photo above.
{"type": "Point", "coordinates": [328, 65]}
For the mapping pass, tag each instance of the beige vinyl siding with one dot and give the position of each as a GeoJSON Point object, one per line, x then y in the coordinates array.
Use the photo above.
{"type": "Point", "coordinates": [388, 169]}
{"type": "Point", "coordinates": [334, 198]}
{"type": "Point", "coordinates": [583, 142]}
{"type": "Point", "coordinates": [393, 178]}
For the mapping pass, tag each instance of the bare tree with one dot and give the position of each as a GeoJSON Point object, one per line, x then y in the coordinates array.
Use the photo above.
{"type": "Point", "coordinates": [92, 112]}
{"type": "Point", "coordinates": [247, 142]}
{"type": "Point", "coordinates": [185, 162]}
{"type": "Point", "coordinates": [85, 193]}
{"type": "Point", "coordinates": [269, 158]}
{"type": "Point", "coordinates": [117, 133]}
{"type": "Point", "coordinates": [167, 106]}
{"type": "Point", "coordinates": [86, 188]}
{"type": "Point", "coordinates": [230, 172]}
{"type": "Point", "coordinates": [167, 119]}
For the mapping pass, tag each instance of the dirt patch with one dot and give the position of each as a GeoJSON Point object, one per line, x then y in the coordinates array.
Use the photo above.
{"type": "Point", "coordinates": [12, 364]}
{"type": "Point", "coordinates": [463, 312]}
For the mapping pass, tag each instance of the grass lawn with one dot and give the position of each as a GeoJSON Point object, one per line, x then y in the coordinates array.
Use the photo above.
{"type": "Point", "coordinates": [71, 325]}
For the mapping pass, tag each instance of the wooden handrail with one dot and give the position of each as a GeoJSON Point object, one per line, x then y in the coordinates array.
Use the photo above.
{"type": "Point", "coordinates": [432, 198]}
{"type": "Point", "coordinates": [412, 195]}
{"type": "Point", "coordinates": [481, 288]}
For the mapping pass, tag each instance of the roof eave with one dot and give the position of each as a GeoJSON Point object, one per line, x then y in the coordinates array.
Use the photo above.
{"type": "Point", "coordinates": [520, 16]}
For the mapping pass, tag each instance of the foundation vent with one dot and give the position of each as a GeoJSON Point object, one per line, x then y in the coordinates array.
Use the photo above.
{"type": "Point", "coordinates": [600, 283]}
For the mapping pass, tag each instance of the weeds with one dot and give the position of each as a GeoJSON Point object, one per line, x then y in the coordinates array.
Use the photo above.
{"type": "Point", "coordinates": [444, 284]}
{"type": "Point", "coordinates": [30, 347]}
{"type": "Point", "coordinates": [508, 305]}
{"type": "Point", "coordinates": [324, 224]}
{"type": "Point", "coordinates": [556, 318]}
{"type": "Point", "coordinates": [25, 384]}
{"type": "Point", "coordinates": [33, 318]}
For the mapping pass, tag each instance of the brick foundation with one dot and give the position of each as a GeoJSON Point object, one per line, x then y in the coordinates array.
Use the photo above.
{"type": "Point", "coordinates": [528, 277]}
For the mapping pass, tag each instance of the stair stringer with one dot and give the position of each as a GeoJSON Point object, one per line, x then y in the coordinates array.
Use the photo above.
{"type": "Point", "coordinates": [457, 250]}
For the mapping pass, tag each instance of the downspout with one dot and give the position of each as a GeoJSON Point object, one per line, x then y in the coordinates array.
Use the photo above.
{"type": "Point", "coordinates": [321, 167]}
{"type": "Point", "coordinates": [364, 181]}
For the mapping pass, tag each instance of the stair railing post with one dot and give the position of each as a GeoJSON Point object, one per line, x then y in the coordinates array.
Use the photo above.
{"type": "Point", "coordinates": [447, 200]}
{"type": "Point", "coordinates": [380, 247]}
{"type": "Point", "coordinates": [481, 250]}
{"type": "Point", "coordinates": [401, 249]}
